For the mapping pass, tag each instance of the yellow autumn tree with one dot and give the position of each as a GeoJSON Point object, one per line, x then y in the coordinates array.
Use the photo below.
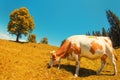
{"type": "Point", "coordinates": [21, 22]}
{"type": "Point", "coordinates": [44, 40]}
{"type": "Point", "coordinates": [32, 38]}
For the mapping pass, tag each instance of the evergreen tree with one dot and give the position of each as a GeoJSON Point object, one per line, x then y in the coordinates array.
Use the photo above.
{"type": "Point", "coordinates": [104, 32]}
{"type": "Point", "coordinates": [88, 33]}
{"type": "Point", "coordinates": [114, 30]}
{"type": "Point", "coordinates": [63, 42]}
{"type": "Point", "coordinates": [93, 33]}
{"type": "Point", "coordinates": [96, 33]}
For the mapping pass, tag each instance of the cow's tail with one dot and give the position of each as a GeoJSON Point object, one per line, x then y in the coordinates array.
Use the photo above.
{"type": "Point", "coordinates": [115, 55]}
{"type": "Point", "coordinates": [111, 51]}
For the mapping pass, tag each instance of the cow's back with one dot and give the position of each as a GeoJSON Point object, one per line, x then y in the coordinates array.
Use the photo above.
{"type": "Point", "coordinates": [90, 46]}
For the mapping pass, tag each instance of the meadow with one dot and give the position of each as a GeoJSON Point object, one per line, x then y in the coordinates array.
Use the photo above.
{"type": "Point", "coordinates": [28, 61]}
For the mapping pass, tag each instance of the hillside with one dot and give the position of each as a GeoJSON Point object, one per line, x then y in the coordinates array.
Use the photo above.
{"type": "Point", "coordinates": [28, 61]}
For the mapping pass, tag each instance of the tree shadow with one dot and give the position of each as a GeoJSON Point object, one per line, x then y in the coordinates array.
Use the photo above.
{"type": "Point", "coordinates": [83, 72]}
{"type": "Point", "coordinates": [18, 42]}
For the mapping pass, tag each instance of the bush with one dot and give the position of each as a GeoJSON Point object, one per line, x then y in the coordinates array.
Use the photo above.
{"type": "Point", "coordinates": [32, 38]}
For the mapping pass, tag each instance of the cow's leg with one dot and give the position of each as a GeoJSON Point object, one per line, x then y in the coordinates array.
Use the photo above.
{"type": "Point", "coordinates": [59, 64]}
{"type": "Point", "coordinates": [77, 68]}
{"type": "Point", "coordinates": [102, 65]}
{"type": "Point", "coordinates": [67, 61]}
{"type": "Point", "coordinates": [113, 60]}
{"type": "Point", "coordinates": [103, 61]}
{"type": "Point", "coordinates": [77, 64]}
{"type": "Point", "coordinates": [59, 61]}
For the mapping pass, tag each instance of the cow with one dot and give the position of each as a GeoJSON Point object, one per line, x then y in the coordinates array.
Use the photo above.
{"type": "Point", "coordinates": [92, 47]}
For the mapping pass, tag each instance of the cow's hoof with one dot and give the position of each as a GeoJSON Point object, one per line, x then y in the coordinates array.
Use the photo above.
{"type": "Point", "coordinates": [114, 74]}
{"type": "Point", "coordinates": [76, 75]}
{"type": "Point", "coordinates": [98, 73]}
{"type": "Point", "coordinates": [48, 66]}
{"type": "Point", "coordinates": [58, 67]}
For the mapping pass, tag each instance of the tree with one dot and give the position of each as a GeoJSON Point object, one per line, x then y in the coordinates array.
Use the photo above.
{"type": "Point", "coordinates": [104, 32]}
{"type": "Point", "coordinates": [21, 22]}
{"type": "Point", "coordinates": [62, 42]}
{"type": "Point", "coordinates": [44, 40]}
{"type": "Point", "coordinates": [32, 38]}
{"type": "Point", "coordinates": [88, 33]}
{"type": "Point", "coordinates": [96, 33]}
{"type": "Point", "coordinates": [114, 30]}
{"type": "Point", "coordinates": [93, 33]}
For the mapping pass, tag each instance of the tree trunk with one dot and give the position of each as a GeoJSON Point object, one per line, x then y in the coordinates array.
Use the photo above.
{"type": "Point", "coordinates": [17, 39]}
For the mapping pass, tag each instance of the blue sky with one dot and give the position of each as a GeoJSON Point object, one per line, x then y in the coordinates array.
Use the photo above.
{"type": "Point", "coordinates": [59, 19]}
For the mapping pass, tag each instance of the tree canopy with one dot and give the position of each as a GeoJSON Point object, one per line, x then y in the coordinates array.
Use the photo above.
{"type": "Point", "coordinates": [104, 32]}
{"type": "Point", "coordinates": [114, 30]}
{"type": "Point", "coordinates": [44, 40]}
{"type": "Point", "coordinates": [32, 38]}
{"type": "Point", "coordinates": [21, 22]}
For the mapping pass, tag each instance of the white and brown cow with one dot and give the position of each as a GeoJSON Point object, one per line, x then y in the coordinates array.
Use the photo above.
{"type": "Point", "coordinates": [91, 47]}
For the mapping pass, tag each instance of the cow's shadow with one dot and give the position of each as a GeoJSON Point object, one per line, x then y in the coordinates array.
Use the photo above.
{"type": "Point", "coordinates": [83, 72]}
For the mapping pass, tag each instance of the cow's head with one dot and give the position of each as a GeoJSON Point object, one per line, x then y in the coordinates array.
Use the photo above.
{"type": "Point", "coordinates": [53, 59]}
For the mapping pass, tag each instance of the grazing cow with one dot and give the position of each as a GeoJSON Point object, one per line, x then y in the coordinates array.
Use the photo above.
{"type": "Point", "coordinates": [91, 47]}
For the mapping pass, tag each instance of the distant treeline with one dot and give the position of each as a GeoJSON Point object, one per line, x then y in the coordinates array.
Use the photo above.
{"type": "Point", "coordinates": [113, 31]}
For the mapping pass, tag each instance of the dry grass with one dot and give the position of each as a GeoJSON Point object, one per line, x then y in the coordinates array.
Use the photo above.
{"type": "Point", "coordinates": [28, 61]}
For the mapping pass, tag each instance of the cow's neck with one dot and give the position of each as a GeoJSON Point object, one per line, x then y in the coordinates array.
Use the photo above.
{"type": "Point", "coordinates": [62, 51]}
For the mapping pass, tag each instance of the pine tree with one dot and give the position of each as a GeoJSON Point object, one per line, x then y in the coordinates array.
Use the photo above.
{"type": "Point", "coordinates": [93, 33]}
{"type": "Point", "coordinates": [88, 33]}
{"type": "Point", "coordinates": [96, 33]}
{"type": "Point", "coordinates": [62, 42]}
{"type": "Point", "coordinates": [114, 30]}
{"type": "Point", "coordinates": [104, 32]}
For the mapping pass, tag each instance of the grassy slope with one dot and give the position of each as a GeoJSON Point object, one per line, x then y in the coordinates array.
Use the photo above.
{"type": "Point", "coordinates": [27, 61]}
